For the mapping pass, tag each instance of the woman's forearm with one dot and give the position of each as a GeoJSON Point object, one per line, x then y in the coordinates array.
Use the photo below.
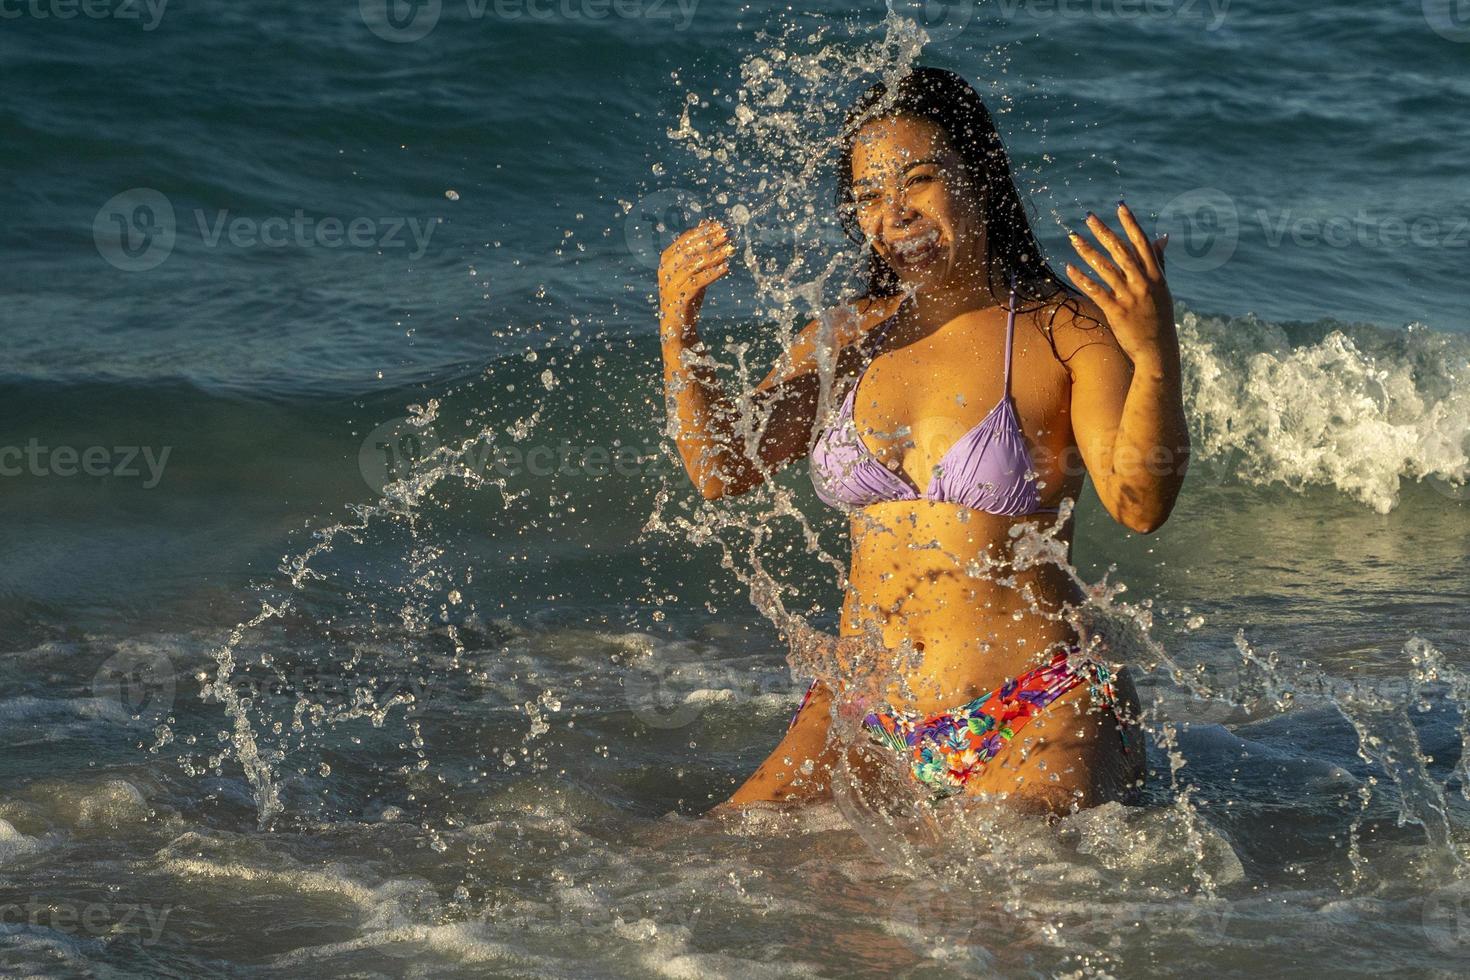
{"type": "Point", "coordinates": [1151, 450]}
{"type": "Point", "coordinates": [701, 415]}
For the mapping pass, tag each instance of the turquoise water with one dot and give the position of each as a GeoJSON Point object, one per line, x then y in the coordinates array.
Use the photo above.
{"type": "Point", "coordinates": [246, 244]}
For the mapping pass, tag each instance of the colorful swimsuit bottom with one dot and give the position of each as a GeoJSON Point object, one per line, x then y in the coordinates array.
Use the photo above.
{"type": "Point", "coordinates": [946, 748]}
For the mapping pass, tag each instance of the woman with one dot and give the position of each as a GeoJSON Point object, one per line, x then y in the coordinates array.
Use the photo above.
{"type": "Point", "coordinates": [976, 382]}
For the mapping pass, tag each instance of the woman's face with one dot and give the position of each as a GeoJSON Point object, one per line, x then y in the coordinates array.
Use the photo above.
{"type": "Point", "coordinates": [914, 204]}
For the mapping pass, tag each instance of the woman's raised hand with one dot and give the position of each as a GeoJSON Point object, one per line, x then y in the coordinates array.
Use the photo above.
{"type": "Point", "coordinates": [1133, 294]}
{"type": "Point", "coordinates": [696, 259]}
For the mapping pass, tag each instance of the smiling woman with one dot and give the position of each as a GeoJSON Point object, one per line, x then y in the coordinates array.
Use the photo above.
{"type": "Point", "coordinates": [1007, 699]}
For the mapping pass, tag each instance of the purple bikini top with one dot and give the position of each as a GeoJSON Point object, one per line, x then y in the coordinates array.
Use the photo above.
{"type": "Point", "coordinates": [988, 469]}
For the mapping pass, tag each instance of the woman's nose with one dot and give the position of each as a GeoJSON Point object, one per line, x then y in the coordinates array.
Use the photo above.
{"type": "Point", "coordinates": [896, 210]}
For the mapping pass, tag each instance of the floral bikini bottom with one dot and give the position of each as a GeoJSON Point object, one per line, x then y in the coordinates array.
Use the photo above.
{"type": "Point", "coordinates": [946, 748]}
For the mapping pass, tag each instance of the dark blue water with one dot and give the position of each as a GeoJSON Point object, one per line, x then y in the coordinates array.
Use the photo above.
{"type": "Point", "coordinates": [242, 239]}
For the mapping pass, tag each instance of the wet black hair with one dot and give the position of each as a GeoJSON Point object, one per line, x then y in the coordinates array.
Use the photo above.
{"type": "Point", "coordinates": [951, 103]}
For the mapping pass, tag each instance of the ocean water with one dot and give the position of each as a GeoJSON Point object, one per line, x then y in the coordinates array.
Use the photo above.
{"type": "Point", "coordinates": [357, 620]}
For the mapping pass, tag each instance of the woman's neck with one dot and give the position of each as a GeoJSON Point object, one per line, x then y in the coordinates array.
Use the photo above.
{"type": "Point", "coordinates": [937, 305]}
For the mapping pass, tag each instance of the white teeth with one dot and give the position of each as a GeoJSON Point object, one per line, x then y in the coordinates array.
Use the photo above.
{"type": "Point", "coordinates": [916, 248]}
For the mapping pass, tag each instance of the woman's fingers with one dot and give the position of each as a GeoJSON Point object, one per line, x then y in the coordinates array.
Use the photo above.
{"type": "Point", "coordinates": [1120, 250]}
{"type": "Point", "coordinates": [705, 277]}
{"type": "Point", "coordinates": [1094, 290]}
{"type": "Point", "coordinates": [693, 255]}
{"type": "Point", "coordinates": [1105, 270]}
{"type": "Point", "coordinates": [1140, 241]}
{"type": "Point", "coordinates": [696, 241]}
{"type": "Point", "coordinates": [1159, 245]}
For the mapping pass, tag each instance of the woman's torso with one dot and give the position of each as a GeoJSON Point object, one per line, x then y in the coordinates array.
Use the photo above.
{"type": "Point", "coordinates": [939, 574]}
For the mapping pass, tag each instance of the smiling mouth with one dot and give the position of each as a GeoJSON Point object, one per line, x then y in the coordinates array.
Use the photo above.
{"type": "Point", "coordinates": [917, 250]}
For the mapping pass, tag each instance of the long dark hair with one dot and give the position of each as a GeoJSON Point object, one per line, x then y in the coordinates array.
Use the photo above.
{"type": "Point", "coordinates": [947, 100]}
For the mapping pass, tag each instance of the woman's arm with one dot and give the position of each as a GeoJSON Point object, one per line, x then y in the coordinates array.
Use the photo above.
{"type": "Point", "coordinates": [1127, 407]}
{"type": "Point", "coordinates": [703, 420]}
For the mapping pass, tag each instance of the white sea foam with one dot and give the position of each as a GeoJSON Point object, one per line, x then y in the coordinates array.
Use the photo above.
{"type": "Point", "coordinates": [1360, 409]}
{"type": "Point", "coordinates": [14, 844]}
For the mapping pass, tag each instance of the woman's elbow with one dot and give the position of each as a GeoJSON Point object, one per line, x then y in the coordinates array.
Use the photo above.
{"type": "Point", "coordinates": [1145, 525]}
{"type": "Point", "coordinates": [716, 487]}
{"type": "Point", "coordinates": [714, 484]}
{"type": "Point", "coordinates": [1146, 518]}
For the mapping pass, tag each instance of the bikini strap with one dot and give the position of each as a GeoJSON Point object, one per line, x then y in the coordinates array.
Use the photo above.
{"type": "Point", "coordinates": [1010, 333]}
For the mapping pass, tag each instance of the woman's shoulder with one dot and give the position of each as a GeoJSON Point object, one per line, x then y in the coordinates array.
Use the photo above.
{"type": "Point", "coordinates": [832, 331]}
{"type": "Point", "coordinates": [1071, 322]}
{"type": "Point", "coordinates": [854, 318]}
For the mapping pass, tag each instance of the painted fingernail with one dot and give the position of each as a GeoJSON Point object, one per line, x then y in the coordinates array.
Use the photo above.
{"type": "Point", "coordinates": [1091, 216]}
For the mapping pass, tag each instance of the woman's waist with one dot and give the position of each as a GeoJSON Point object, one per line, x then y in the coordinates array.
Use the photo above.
{"type": "Point", "coordinates": [948, 657]}
{"type": "Point", "coordinates": [920, 595]}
